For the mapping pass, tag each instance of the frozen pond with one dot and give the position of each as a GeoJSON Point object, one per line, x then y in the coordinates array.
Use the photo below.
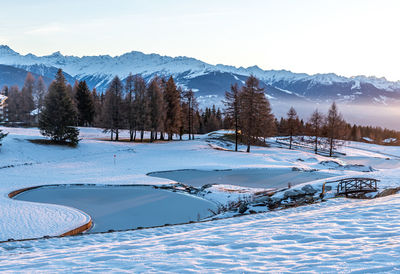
{"type": "Point", "coordinates": [124, 207]}
{"type": "Point", "coordinates": [253, 177]}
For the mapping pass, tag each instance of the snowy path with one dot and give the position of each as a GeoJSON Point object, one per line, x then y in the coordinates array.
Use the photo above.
{"type": "Point", "coordinates": [337, 236]}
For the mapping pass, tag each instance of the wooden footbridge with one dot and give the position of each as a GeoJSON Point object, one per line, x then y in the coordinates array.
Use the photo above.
{"type": "Point", "coordinates": [353, 187]}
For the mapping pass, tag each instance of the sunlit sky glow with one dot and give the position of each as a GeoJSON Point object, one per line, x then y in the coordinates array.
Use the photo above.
{"type": "Point", "coordinates": [347, 37]}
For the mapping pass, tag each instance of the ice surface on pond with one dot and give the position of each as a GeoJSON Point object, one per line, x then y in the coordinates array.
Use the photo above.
{"type": "Point", "coordinates": [124, 207]}
{"type": "Point", "coordinates": [252, 177]}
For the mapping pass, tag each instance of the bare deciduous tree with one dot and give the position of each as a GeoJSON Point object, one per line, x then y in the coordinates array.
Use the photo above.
{"type": "Point", "coordinates": [316, 121]}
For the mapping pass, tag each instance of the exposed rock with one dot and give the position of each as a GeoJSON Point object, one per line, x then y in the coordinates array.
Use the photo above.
{"type": "Point", "coordinates": [293, 193]}
{"type": "Point", "coordinates": [331, 164]}
{"type": "Point", "coordinates": [242, 208]}
{"type": "Point", "coordinates": [388, 191]}
{"type": "Point", "coordinates": [264, 199]}
{"type": "Point", "coordinates": [206, 186]}
{"type": "Point", "coordinates": [309, 190]}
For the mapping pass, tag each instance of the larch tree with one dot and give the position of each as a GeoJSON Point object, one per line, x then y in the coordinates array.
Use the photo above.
{"type": "Point", "coordinates": [192, 106]}
{"type": "Point", "coordinates": [141, 105]}
{"type": "Point", "coordinates": [183, 113]}
{"type": "Point", "coordinates": [156, 107]}
{"type": "Point", "coordinates": [266, 120]}
{"type": "Point", "coordinates": [112, 118]}
{"type": "Point", "coordinates": [130, 106]}
{"type": "Point", "coordinates": [252, 103]}
{"type": "Point", "coordinates": [58, 116]}
{"type": "Point", "coordinates": [316, 121]}
{"type": "Point", "coordinates": [14, 105]}
{"type": "Point", "coordinates": [40, 93]}
{"type": "Point", "coordinates": [334, 123]}
{"type": "Point", "coordinates": [232, 111]}
{"type": "Point", "coordinates": [97, 103]}
{"type": "Point", "coordinates": [84, 104]}
{"type": "Point", "coordinates": [27, 104]}
{"type": "Point", "coordinates": [172, 108]}
{"type": "Point", "coordinates": [292, 119]}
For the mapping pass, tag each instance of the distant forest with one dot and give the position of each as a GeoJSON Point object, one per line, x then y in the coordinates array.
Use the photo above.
{"type": "Point", "coordinates": [166, 110]}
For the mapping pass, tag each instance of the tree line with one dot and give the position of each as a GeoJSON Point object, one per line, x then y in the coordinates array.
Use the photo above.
{"type": "Point", "coordinates": [158, 106]}
{"type": "Point", "coordinates": [332, 126]}
{"type": "Point", "coordinates": [163, 109]}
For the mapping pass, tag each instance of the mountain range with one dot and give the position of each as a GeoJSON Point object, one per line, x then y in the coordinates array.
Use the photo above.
{"type": "Point", "coordinates": [210, 82]}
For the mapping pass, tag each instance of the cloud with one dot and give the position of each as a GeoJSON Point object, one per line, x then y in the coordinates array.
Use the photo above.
{"type": "Point", "coordinates": [46, 29]}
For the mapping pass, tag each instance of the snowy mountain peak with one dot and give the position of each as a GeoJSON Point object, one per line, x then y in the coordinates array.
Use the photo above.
{"type": "Point", "coordinates": [56, 54]}
{"type": "Point", "coordinates": [6, 50]}
{"type": "Point", "coordinates": [136, 62]}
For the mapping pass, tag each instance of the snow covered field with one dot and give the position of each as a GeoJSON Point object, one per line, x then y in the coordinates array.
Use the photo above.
{"type": "Point", "coordinates": [340, 235]}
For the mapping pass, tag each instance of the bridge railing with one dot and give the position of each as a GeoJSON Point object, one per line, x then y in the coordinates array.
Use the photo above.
{"type": "Point", "coordinates": [350, 186]}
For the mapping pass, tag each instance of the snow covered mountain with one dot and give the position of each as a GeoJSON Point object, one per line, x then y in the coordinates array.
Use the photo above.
{"type": "Point", "coordinates": [209, 81]}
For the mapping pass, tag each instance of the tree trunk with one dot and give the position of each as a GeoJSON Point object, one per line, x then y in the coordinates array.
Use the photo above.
{"type": "Point", "coordinates": [116, 135]}
{"type": "Point", "coordinates": [141, 135]}
{"type": "Point", "coordinates": [316, 144]}
{"type": "Point", "coordinates": [236, 133]}
{"type": "Point", "coordinates": [331, 148]}
{"type": "Point", "coordinates": [248, 143]}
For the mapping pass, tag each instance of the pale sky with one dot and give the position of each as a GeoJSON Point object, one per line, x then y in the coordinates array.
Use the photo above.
{"type": "Point", "coordinates": [347, 37]}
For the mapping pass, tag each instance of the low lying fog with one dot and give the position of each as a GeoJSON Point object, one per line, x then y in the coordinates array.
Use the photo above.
{"type": "Point", "coordinates": [367, 115]}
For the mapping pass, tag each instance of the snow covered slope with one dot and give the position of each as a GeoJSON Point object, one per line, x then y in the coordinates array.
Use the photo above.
{"type": "Point", "coordinates": [340, 235]}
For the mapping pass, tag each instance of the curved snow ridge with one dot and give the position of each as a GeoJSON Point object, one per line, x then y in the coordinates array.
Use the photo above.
{"type": "Point", "coordinates": [82, 228]}
{"type": "Point", "coordinates": [27, 220]}
{"type": "Point", "coordinates": [337, 236]}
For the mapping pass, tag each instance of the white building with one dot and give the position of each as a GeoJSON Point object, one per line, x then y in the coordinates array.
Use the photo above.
{"type": "Point", "coordinates": [3, 106]}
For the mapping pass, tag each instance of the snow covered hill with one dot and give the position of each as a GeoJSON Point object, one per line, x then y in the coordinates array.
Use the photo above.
{"type": "Point", "coordinates": [339, 235]}
{"type": "Point", "coordinates": [210, 81]}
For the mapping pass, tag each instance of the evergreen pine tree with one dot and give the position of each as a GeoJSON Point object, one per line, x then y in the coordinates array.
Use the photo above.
{"type": "Point", "coordinates": [58, 116]}
{"type": "Point", "coordinates": [84, 104]}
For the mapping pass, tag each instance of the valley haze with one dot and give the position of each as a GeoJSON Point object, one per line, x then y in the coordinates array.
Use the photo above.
{"type": "Point", "coordinates": [362, 100]}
